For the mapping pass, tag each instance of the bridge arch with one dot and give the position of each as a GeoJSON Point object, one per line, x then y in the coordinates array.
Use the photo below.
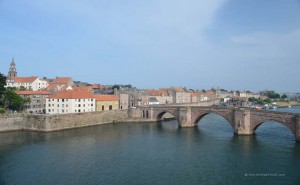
{"type": "Point", "coordinates": [291, 129]}
{"type": "Point", "coordinates": [159, 115]}
{"type": "Point", "coordinates": [202, 115]}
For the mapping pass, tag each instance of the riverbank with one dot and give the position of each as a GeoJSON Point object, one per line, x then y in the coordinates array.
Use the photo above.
{"type": "Point", "coordinates": [287, 104]}
{"type": "Point", "coordinates": [49, 123]}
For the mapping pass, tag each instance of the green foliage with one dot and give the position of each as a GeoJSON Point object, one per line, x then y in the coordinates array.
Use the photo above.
{"type": "Point", "coordinates": [13, 101]}
{"type": "Point", "coordinates": [2, 88]}
{"type": "Point", "coordinates": [272, 95]}
{"type": "Point", "coordinates": [11, 88]}
{"type": "Point", "coordinates": [252, 99]}
{"type": "Point", "coordinates": [267, 100]}
{"type": "Point", "coordinates": [2, 111]}
{"type": "Point", "coordinates": [284, 96]}
{"type": "Point", "coordinates": [22, 88]}
{"type": "Point", "coordinates": [2, 84]}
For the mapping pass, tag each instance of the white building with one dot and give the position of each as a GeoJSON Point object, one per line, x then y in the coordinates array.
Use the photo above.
{"type": "Point", "coordinates": [70, 101]}
{"type": "Point", "coordinates": [30, 83]}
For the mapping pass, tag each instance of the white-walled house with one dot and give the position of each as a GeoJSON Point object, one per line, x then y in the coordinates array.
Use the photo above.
{"type": "Point", "coordinates": [31, 83]}
{"type": "Point", "coordinates": [70, 101]}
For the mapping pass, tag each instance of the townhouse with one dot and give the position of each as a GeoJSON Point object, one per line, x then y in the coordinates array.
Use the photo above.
{"type": "Point", "coordinates": [70, 101]}
{"type": "Point", "coordinates": [106, 102]}
{"type": "Point", "coordinates": [37, 102]}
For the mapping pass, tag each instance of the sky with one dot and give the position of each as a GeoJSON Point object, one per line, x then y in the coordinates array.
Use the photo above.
{"type": "Point", "coordinates": [235, 45]}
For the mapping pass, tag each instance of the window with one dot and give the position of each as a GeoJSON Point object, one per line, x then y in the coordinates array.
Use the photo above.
{"type": "Point", "coordinates": [110, 107]}
{"type": "Point", "coordinates": [78, 105]}
{"type": "Point", "coordinates": [67, 105]}
{"type": "Point", "coordinates": [102, 107]}
{"type": "Point", "coordinates": [78, 100]}
{"type": "Point", "coordinates": [62, 105]}
{"type": "Point", "coordinates": [78, 110]}
{"type": "Point", "coordinates": [57, 100]}
{"type": "Point", "coordinates": [83, 105]}
{"type": "Point", "coordinates": [49, 105]}
{"type": "Point", "coordinates": [63, 100]}
{"type": "Point", "coordinates": [57, 105]}
{"type": "Point", "coordinates": [49, 110]}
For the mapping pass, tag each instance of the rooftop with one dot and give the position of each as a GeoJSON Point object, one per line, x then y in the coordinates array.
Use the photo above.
{"type": "Point", "coordinates": [25, 79]}
{"type": "Point", "coordinates": [72, 94]}
{"type": "Point", "coordinates": [106, 98]}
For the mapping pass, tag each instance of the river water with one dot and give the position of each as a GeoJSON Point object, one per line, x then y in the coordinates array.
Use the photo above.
{"type": "Point", "coordinates": [152, 153]}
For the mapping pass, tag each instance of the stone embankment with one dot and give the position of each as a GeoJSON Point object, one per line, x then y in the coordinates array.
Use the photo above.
{"type": "Point", "coordinates": [48, 123]}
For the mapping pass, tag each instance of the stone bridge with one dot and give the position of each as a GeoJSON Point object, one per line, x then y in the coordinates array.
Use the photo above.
{"type": "Point", "coordinates": [244, 122]}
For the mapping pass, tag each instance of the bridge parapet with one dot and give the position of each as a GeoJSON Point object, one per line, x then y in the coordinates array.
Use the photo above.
{"type": "Point", "coordinates": [243, 121]}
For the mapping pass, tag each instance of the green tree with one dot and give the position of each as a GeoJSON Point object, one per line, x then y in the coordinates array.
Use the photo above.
{"type": "Point", "coordinates": [252, 99]}
{"type": "Point", "coordinates": [284, 96]}
{"type": "Point", "coordinates": [2, 88]}
{"type": "Point", "coordinates": [22, 88]}
{"type": "Point", "coordinates": [14, 101]}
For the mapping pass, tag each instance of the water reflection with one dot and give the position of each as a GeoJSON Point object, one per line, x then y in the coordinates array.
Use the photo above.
{"type": "Point", "coordinates": [143, 153]}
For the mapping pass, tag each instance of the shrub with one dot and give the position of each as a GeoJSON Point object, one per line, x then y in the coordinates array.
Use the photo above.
{"type": "Point", "coordinates": [2, 111]}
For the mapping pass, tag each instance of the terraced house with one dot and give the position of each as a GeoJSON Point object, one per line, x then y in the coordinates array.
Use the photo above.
{"type": "Point", "coordinates": [37, 102]}
{"type": "Point", "coordinates": [106, 102]}
{"type": "Point", "coordinates": [70, 101]}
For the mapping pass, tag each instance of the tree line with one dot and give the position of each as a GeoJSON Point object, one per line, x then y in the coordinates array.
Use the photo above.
{"type": "Point", "coordinates": [9, 99]}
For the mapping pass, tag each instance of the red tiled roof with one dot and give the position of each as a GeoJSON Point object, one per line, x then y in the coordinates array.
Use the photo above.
{"type": "Point", "coordinates": [160, 92]}
{"type": "Point", "coordinates": [106, 98]}
{"type": "Point", "coordinates": [62, 80]}
{"type": "Point", "coordinates": [88, 88]}
{"type": "Point", "coordinates": [178, 89]}
{"type": "Point", "coordinates": [72, 94]}
{"type": "Point", "coordinates": [96, 86]}
{"type": "Point", "coordinates": [51, 87]}
{"type": "Point", "coordinates": [33, 92]}
{"type": "Point", "coordinates": [25, 79]}
{"type": "Point", "coordinates": [193, 94]}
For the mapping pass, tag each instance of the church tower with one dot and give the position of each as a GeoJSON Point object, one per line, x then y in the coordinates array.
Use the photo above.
{"type": "Point", "coordinates": [12, 73]}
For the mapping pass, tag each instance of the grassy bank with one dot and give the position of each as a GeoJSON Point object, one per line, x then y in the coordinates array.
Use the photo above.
{"type": "Point", "coordinates": [286, 104]}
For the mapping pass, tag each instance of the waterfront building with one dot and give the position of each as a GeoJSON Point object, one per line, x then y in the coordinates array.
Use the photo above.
{"type": "Point", "coordinates": [31, 83]}
{"type": "Point", "coordinates": [70, 101]}
{"type": "Point", "coordinates": [153, 101]}
{"type": "Point", "coordinates": [37, 102]}
{"type": "Point", "coordinates": [67, 81]}
{"type": "Point", "coordinates": [131, 97]}
{"type": "Point", "coordinates": [106, 102]}
{"type": "Point", "coordinates": [123, 101]}
{"type": "Point", "coordinates": [194, 97]}
{"type": "Point", "coordinates": [162, 95]}
{"type": "Point", "coordinates": [180, 95]}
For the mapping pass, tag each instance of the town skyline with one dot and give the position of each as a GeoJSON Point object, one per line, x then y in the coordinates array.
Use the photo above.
{"type": "Point", "coordinates": [156, 44]}
{"type": "Point", "coordinates": [119, 84]}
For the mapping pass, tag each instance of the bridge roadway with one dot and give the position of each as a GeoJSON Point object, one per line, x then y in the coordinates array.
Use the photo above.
{"type": "Point", "coordinates": [243, 121]}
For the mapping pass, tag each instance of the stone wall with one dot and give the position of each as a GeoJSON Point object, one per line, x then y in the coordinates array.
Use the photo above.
{"type": "Point", "coordinates": [11, 122]}
{"type": "Point", "coordinates": [47, 123]}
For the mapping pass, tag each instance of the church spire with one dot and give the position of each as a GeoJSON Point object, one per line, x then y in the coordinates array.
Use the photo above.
{"type": "Point", "coordinates": [13, 61]}
{"type": "Point", "coordinates": [12, 73]}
